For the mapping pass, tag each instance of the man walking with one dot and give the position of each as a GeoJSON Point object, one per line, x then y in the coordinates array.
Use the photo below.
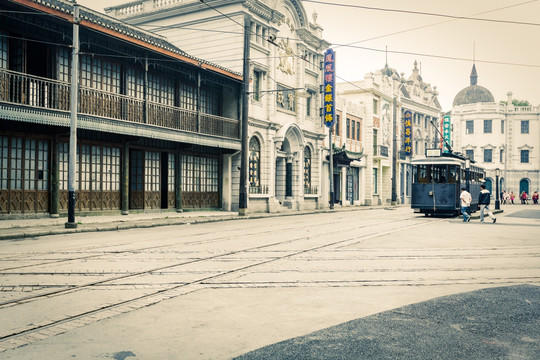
{"type": "Point", "coordinates": [483, 201]}
{"type": "Point", "coordinates": [465, 204]}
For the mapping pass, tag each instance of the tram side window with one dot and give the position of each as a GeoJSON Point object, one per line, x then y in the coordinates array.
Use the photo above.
{"type": "Point", "coordinates": [424, 174]}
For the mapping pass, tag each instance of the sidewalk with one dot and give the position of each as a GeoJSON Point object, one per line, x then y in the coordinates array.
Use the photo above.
{"type": "Point", "coordinates": [43, 226]}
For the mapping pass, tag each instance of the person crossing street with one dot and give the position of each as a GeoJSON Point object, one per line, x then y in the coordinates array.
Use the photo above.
{"type": "Point", "coordinates": [483, 202]}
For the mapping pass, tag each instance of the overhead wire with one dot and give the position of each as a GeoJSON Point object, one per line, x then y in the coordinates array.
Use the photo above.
{"type": "Point", "coordinates": [455, 17]}
{"type": "Point", "coordinates": [437, 23]}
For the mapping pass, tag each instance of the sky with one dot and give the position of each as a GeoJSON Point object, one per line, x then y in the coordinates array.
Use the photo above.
{"type": "Point", "coordinates": [506, 54]}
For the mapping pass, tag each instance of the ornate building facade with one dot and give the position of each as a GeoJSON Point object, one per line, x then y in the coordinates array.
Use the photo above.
{"type": "Point", "coordinates": [380, 102]}
{"type": "Point", "coordinates": [156, 126]}
{"type": "Point", "coordinates": [285, 129]}
{"type": "Point", "coordinates": [498, 135]}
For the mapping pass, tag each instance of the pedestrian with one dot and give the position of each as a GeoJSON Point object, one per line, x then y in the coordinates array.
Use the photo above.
{"type": "Point", "coordinates": [523, 198]}
{"type": "Point", "coordinates": [535, 198]}
{"type": "Point", "coordinates": [465, 204]}
{"type": "Point", "coordinates": [512, 197]}
{"type": "Point", "coordinates": [483, 200]}
{"type": "Point", "coordinates": [506, 198]}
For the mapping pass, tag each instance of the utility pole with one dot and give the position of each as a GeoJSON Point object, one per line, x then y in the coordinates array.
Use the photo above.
{"type": "Point", "coordinates": [73, 126]}
{"type": "Point", "coordinates": [242, 204]}
{"type": "Point", "coordinates": [331, 156]}
{"type": "Point", "coordinates": [394, 149]}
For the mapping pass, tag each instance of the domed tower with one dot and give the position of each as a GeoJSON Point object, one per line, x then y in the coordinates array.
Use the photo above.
{"type": "Point", "coordinates": [473, 93]}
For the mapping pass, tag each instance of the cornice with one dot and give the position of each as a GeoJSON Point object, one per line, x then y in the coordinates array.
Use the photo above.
{"type": "Point", "coordinates": [307, 36]}
{"type": "Point", "coordinates": [260, 9]}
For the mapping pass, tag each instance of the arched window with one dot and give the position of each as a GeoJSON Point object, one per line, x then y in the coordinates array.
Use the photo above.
{"type": "Point", "coordinates": [254, 163]}
{"type": "Point", "coordinates": [307, 169]}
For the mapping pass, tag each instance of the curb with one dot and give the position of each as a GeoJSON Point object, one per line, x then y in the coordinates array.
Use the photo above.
{"type": "Point", "coordinates": [26, 232]}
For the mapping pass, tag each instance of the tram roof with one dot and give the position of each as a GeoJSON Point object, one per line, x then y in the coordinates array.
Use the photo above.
{"type": "Point", "coordinates": [447, 159]}
{"type": "Point", "coordinates": [438, 160]}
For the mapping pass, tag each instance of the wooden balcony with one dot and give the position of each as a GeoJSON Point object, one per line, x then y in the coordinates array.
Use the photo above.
{"type": "Point", "coordinates": [27, 90]}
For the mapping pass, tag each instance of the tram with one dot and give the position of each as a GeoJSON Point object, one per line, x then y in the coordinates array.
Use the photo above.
{"type": "Point", "coordinates": [437, 181]}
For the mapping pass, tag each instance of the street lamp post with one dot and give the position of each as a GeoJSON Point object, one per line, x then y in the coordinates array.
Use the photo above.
{"type": "Point", "coordinates": [497, 201]}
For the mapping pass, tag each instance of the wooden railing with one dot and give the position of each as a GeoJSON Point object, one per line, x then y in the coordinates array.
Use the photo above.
{"type": "Point", "coordinates": [23, 89]}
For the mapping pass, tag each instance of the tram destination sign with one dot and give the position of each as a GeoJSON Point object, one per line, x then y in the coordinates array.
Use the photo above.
{"type": "Point", "coordinates": [329, 88]}
{"type": "Point", "coordinates": [433, 152]}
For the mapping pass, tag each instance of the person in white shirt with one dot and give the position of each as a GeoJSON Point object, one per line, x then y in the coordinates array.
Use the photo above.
{"type": "Point", "coordinates": [465, 204]}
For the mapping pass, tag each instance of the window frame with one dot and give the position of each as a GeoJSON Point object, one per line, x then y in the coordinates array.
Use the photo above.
{"type": "Point", "coordinates": [488, 126]}
{"type": "Point", "coordinates": [469, 127]}
{"type": "Point", "coordinates": [524, 154]}
{"type": "Point", "coordinates": [525, 126]}
{"type": "Point", "coordinates": [488, 155]}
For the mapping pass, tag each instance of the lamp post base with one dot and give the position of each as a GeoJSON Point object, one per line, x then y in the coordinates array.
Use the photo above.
{"type": "Point", "coordinates": [71, 225]}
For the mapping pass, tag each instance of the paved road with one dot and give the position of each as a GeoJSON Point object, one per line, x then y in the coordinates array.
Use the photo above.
{"type": "Point", "coordinates": [222, 289]}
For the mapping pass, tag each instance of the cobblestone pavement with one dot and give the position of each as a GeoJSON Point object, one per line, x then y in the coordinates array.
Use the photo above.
{"type": "Point", "coordinates": [223, 288]}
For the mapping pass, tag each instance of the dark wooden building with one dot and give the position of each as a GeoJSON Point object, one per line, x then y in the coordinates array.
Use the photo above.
{"type": "Point", "coordinates": [156, 126]}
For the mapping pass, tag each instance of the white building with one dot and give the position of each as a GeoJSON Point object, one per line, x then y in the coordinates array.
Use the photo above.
{"type": "Point", "coordinates": [285, 130]}
{"type": "Point", "coordinates": [383, 96]}
{"type": "Point", "coordinates": [498, 135]}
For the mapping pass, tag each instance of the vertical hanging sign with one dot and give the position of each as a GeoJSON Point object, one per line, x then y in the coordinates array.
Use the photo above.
{"type": "Point", "coordinates": [407, 126]}
{"type": "Point", "coordinates": [446, 133]}
{"type": "Point", "coordinates": [329, 87]}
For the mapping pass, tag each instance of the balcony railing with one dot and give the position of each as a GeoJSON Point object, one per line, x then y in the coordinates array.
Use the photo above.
{"type": "Point", "coordinates": [311, 190]}
{"type": "Point", "coordinates": [23, 89]}
{"type": "Point", "coordinates": [380, 150]}
{"type": "Point", "coordinates": [261, 189]}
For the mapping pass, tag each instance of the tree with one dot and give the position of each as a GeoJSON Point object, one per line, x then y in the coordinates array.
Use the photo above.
{"type": "Point", "coordinates": [516, 102]}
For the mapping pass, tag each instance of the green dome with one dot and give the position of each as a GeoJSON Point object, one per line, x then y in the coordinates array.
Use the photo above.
{"type": "Point", "coordinates": [473, 93]}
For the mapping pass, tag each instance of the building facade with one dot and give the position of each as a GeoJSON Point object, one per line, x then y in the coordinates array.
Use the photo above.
{"type": "Point", "coordinates": [286, 134]}
{"type": "Point", "coordinates": [383, 98]}
{"type": "Point", "coordinates": [157, 128]}
{"type": "Point", "coordinates": [498, 135]}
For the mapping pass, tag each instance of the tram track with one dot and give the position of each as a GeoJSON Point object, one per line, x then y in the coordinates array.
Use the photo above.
{"type": "Point", "coordinates": [169, 266]}
{"type": "Point", "coordinates": [147, 248]}
{"type": "Point", "coordinates": [188, 286]}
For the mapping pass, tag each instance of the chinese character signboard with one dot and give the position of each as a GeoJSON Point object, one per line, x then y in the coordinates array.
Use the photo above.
{"type": "Point", "coordinates": [329, 87]}
{"type": "Point", "coordinates": [407, 127]}
{"type": "Point", "coordinates": [445, 124]}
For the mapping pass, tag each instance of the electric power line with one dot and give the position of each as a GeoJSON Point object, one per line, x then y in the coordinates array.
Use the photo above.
{"type": "Point", "coordinates": [426, 13]}
{"type": "Point", "coordinates": [438, 23]}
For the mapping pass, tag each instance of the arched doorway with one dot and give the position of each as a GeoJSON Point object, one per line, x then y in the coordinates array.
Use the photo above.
{"type": "Point", "coordinates": [489, 185]}
{"type": "Point", "coordinates": [289, 168]}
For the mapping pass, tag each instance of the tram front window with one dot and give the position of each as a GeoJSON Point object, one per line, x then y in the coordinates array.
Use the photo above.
{"type": "Point", "coordinates": [426, 174]}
